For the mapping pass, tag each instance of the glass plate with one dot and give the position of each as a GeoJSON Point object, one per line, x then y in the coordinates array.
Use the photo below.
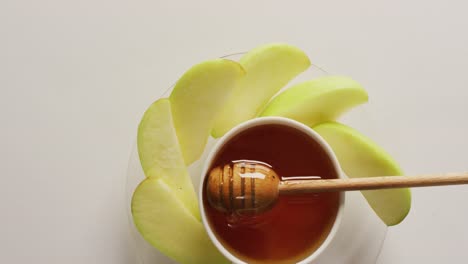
{"type": "Point", "coordinates": [360, 236]}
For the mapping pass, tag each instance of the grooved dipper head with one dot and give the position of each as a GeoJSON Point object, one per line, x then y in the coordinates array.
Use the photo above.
{"type": "Point", "coordinates": [242, 186]}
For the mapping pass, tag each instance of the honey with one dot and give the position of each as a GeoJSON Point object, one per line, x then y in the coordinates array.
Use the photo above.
{"type": "Point", "coordinates": [297, 224]}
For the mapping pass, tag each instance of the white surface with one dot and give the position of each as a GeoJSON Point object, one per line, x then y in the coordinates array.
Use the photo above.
{"type": "Point", "coordinates": [75, 77]}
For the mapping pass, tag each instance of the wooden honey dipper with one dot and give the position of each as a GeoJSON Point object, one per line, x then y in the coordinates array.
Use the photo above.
{"type": "Point", "coordinates": [251, 186]}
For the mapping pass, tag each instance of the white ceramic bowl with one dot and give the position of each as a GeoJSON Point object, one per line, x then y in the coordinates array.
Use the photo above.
{"type": "Point", "coordinates": [270, 121]}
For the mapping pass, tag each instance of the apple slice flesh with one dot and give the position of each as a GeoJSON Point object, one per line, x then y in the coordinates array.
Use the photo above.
{"type": "Point", "coordinates": [361, 157]}
{"type": "Point", "coordinates": [316, 101]}
{"type": "Point", "coordinates": [269, 68]}
{"type": "Point", "coordinates": [196, 100]}
{"type": "Point", "coordinates": [160, 153]}
{"type": "Point", "coordinates": [168, 226]}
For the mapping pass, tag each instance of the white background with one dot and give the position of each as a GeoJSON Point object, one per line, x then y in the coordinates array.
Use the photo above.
{"type": "Point", "coordinates": [76, 76]}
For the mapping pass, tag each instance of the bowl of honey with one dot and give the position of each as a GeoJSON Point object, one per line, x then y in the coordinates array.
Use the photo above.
{"type": "Point", "coordinates": [297, 228]}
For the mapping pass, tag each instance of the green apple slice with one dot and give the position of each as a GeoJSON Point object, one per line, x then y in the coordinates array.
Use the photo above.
{"type": "Point", "coordinates": [269, 68]}
{"type": "Point", "coordinates": [316, 101]}
{"type": "Point", "coordinates": [361, 157]}
{"type": "Point", "coordinates": [160, 153]}
{"type": "Point", "coordinates": [196, 100]}
{"type": "Point", "coordinates": [168, 226]}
